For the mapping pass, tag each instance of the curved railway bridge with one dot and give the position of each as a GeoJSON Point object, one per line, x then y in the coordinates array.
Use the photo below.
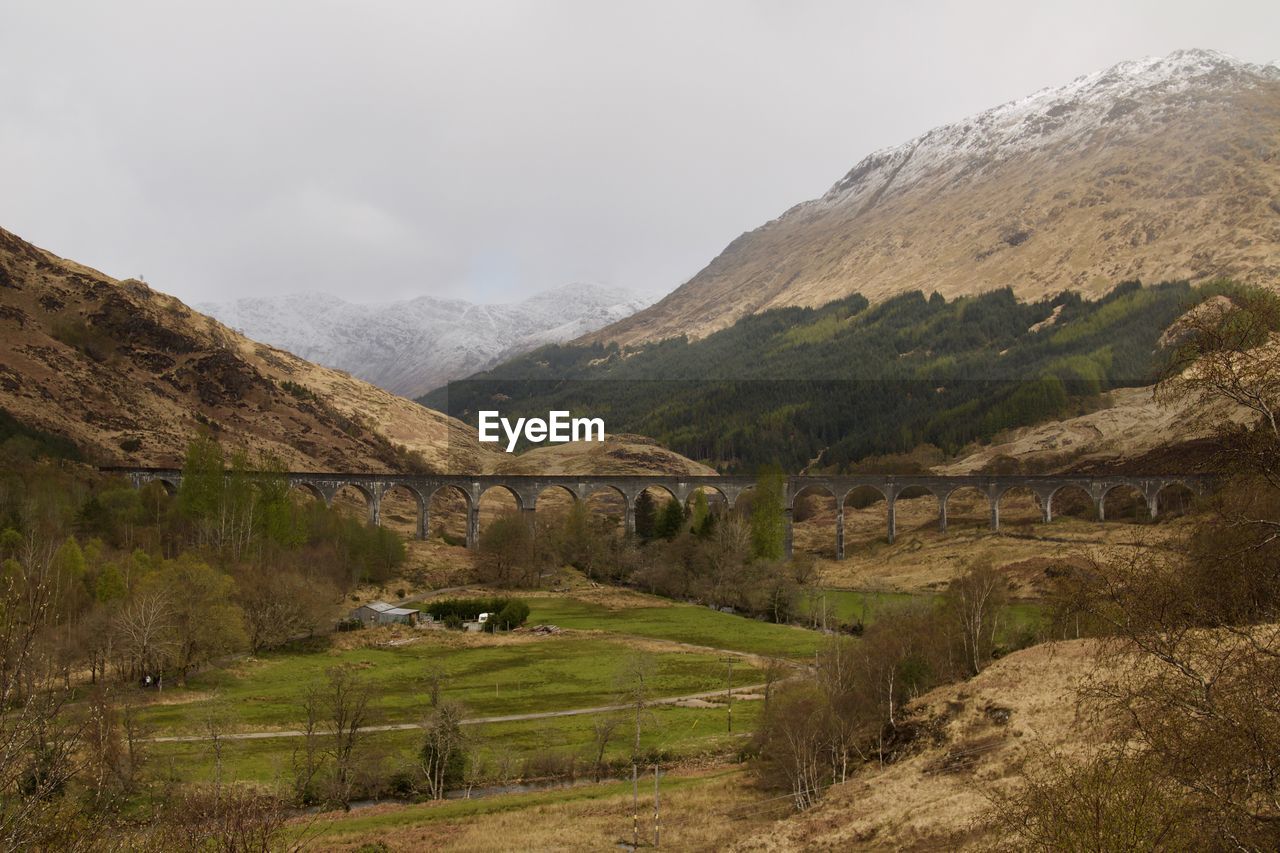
{"type": "Point", "coordinates": [526, 490]}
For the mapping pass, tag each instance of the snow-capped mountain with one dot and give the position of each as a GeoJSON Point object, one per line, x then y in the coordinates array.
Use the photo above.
{"type": "Point", "coordinates": [1156, 169]}
{"type": "Point", "coordinates": [413, 346]}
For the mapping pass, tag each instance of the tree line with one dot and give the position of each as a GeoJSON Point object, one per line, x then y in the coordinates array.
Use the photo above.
{"type": "Point", "coordinates": [849, 380]}
{"type": "Point", "coordinates": [104, 589]}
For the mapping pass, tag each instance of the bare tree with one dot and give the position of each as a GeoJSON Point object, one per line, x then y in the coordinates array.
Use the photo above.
{"type": "Point", "coordinates": [635, 685]}
{"type": "Point", "coordinates": [105, 755]}
{"type": "Point", "coordinates": [434, 675]}
{"type": "Point", "coordinates": [341, 705]}
{"type": "Point", "coordinates": [308, 757]}
{"type": "Point", "coordinates": [216, 720]}
{"type": "Point", "coordinates": [136, 733]}
{"type": "Point", "coordinates": [442, 757]}
{"type": "Point", "coordinates": [974, 601]}
{"type": "Point", "coordinates": [1226, 351]}
{"type": "Point", "coordinates": [507, 554]}
{"type": "Point", "coordinates": [795, 742]}
{"type": "Point", "coordinates": [40, 745]}
{"type": "Point", "coordinates": [603, 728]}
{"type": "Point", "coordinates": [283, 606]}
{"type": "Point", "coordinates": [236, 820]}
{"type": "Point", "coordinates": [727, 553]}
{"type": "Point", "coordinates": [144, 633]}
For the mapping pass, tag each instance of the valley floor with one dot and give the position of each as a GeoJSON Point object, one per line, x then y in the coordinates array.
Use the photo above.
{"type": "Point", "coordinates": [535, 701]}
{"type": "Point", "coordinates": [974, 736]}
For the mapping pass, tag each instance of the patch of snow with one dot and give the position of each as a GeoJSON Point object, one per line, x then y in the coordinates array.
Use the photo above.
{"type": "Point", "coordinates": [1052, 120]}
{"type": "Point", "coordinates": [414, 346]}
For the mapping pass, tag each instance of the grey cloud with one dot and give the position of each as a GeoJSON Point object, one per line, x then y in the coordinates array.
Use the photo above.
{"type": "Point", "coordinates": [486, 150]}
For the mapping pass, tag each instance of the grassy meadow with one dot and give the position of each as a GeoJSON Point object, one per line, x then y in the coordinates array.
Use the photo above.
{"type": "Point", "coordinates": [682, 623]}
{"type": "Point", "coordinates": [499, 677]}
{"type": "Point", "coordinates": [868, 606]}
{"type": "Point", "coordinates": [506, 675]}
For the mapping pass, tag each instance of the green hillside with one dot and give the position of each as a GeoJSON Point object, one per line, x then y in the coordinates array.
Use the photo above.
{"type": "Point", "coordinates": [847, 380]}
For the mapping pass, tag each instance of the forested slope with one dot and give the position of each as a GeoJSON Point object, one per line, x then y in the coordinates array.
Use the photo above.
{"type": "Point", "coordinates": [849, 380]}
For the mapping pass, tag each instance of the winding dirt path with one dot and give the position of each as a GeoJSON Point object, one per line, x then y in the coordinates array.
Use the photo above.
{"type": "Point", "coordinates": [471, 721]}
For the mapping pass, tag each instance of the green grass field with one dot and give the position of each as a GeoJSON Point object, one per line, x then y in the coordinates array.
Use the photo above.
{"type": "Point", "coordinates": [684, 623]}
{"type": "Point", "coordinates": [552, 673]}
{"type": "Point", "coordinates": [868, 607]}
{"type": "Point", "coordinates": [498, 750]}
{"type": "Point", "coordinates": [495, 678]}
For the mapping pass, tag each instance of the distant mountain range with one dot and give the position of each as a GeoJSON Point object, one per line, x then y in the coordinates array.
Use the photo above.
{"type": "Point", "coordinates": [1156, 169]}
{"type": "Point", "coordinates": [414, 346]}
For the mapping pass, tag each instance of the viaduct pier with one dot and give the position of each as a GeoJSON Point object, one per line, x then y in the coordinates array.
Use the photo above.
{"type": "Point", "coordinates": [527, 489]}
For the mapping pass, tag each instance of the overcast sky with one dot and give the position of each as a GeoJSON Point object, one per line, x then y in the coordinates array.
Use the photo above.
{"type": "Point", "coordinates": [381, 150]}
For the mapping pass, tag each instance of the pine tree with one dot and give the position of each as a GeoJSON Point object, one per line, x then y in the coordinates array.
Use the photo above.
{"type": "Point", "coordinates": [672, 520]}
{"type": "Point", "coordinates": [646, 515]}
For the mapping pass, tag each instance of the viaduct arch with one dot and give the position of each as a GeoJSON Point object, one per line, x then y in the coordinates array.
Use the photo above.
{"type": "Point", "coordinates": [526, 490]}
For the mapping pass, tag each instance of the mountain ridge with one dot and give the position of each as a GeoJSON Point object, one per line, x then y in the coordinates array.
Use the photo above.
{"type": "Point", "coordinates": [1160, 169]}
{"type": "Point", "coordinates": [414, 345]}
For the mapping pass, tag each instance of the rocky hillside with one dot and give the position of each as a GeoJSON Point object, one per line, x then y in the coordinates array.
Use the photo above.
{"type": "Point", "coordinates": [1156, 169]}
{"type": "Point", "coordinates": [414, 346]}
{"type": "Point", "coordinates": [129, 375]}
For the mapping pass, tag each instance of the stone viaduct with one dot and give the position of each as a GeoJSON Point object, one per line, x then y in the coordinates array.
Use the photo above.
{"type": "Point", "coordinates": [526, 490]}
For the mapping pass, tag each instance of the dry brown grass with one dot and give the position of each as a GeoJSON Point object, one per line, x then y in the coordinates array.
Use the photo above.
{"type": "Point", "coordinates": [159, 372]}
{"type": "Point", "coordinates": [706, 812]}
{"type": "Point", "coordinates": [923, 559]}
{"type": "Point", "coordinates": [974, 737]}
{"type": "Point", "coordinates": [384, 636]}
{"type": "Point", "coordinates": [1128, 424]}
{"type": "Point", "coordinates": [618, 454]}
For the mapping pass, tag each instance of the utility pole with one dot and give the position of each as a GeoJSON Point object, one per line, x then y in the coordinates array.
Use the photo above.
{"type": "Point", "coordinates": [729, 689]}
{"type": "Point", "coordinates": [657, 821]}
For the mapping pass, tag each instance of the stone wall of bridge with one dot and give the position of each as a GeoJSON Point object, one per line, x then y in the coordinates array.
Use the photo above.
{"type": "Point", "coordinates": [527, 489]}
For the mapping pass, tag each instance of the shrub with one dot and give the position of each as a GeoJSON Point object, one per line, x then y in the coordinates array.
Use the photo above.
{"type": "Point", "coordinates": [82, 337]}
{"type": "Point", "coordinates": [512, 615]}
{"type": "Point", "coordinates": [301, 392]}
{"type": "Point", "coordinates": [468, 609]}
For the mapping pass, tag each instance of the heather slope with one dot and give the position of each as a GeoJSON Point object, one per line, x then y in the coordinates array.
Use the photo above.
{"type": "Point", "coordinates": [1157, 169]}
{"type": "Point", "coordinates": [129, 375]}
